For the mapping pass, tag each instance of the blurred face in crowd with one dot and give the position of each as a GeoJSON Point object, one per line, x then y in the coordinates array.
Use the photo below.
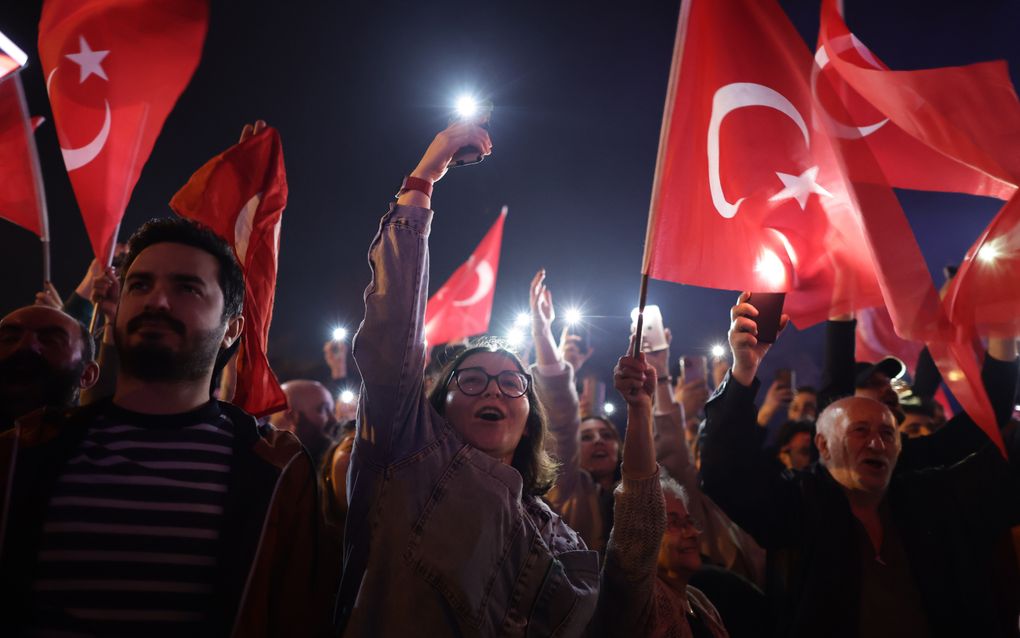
{"type": "Point", "coordinates": [879, 387]}
{"type": "Point", "coordinates": [41, 361]}
{"type": "Point", "coordinates": [796, 455]}
{"type": "Point", "coordinates": [491, 420]}
{"type": "Point", "coordinates": [600, 448]}
{"type": "Point", "coordinates": [309, 410]}
{"type": "Point", "coordinates": [917, 425]}
{"type": "Point", "coordinates": [859, 444]}
{"type": "Point", "coordinates": [679, 557]}
{"type": "Point", "coordinates": [574, 351]}
{"type": "Point", "coordinates": [804, 407]}
{"type": "Point", "coordinates": [170, 323]}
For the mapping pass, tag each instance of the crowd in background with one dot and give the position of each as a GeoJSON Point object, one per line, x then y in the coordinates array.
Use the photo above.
{"type": "Point", "coordinates": [477, 489]}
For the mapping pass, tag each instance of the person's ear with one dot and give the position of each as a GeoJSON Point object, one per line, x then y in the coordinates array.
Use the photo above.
{"type": "Point", "coordinates": [823, 446]}
{"type": "Point", "coordinates": [89, 376]}
{"type": "Point", "coordinates": [235, 325]}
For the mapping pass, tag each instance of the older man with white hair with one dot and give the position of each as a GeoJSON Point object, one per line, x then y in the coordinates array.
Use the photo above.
{"type": "Point", "coordinates": [853, 549]}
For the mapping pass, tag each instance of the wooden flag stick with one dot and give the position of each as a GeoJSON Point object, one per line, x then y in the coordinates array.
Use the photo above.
{"type": "Point", "coordinates": [639, 326]}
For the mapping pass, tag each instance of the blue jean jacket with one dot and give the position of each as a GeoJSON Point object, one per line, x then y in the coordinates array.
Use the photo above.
{"type": "Point", "coordinates": [439, 540]}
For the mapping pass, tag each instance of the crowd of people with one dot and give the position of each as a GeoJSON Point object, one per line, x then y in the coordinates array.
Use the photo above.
{"type": "Point", "coordinates": [477, 493]}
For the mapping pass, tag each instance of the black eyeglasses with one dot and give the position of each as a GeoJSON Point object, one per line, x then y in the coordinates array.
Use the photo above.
{"type": "Point", "coordinates": [473, 381]}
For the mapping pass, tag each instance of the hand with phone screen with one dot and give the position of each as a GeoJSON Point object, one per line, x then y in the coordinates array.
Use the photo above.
{"type": "Point", "coordinates": [748, 351]}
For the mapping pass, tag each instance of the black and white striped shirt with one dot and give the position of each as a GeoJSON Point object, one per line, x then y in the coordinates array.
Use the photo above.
{"type": "Point", "coordinates": [129, 544]}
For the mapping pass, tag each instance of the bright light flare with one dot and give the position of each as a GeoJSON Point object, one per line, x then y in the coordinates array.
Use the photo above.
{"type": "Point", "coordinates": [718, 351]}
{"type": "Point", "coordinates": [522, 320]}
{"type": "Point", "coordinates": [988, 253]}
{"type": "Point", "coordinates": [771, 268]}
{"type": "Point", "coordinates": [466, 105]}
{"type": "Point", "coordinates": [347, 396]}
{"type": "Point", "coordinates": [515, 337]}
{"type": "Point", "coordinates": [609, 408]}
{"type": "Point", "coordinates": [339, 333]}
{"type": "Point", "coordinates": [573, 316]}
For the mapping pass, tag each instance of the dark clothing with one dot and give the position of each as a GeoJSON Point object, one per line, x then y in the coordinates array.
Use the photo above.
{"type": "Point", "coordinates": [268, 550]}
{"type": "Point", "coordinates": [947, 519]}
{"type": "Point", "coordinates": [953, 442]}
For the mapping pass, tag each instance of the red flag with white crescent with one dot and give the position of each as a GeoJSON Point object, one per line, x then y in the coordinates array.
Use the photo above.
{"type": "Point", "coordinates": [462, 306]}
{"type": "Point", "coordinates": [748, 193]}
{"type": "Point", "coordinates": [114, 70]}
{"type": "Point", "coordinates": [240, 194]}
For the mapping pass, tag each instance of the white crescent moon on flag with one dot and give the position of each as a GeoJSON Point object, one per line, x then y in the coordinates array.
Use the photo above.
{"type": "Point", "coordinates": [727, 99]}
{"type": "Point", "coordinates": [486, 279]}
{"type": "Point", "coordinates": [821, 61]}
{"type": "Point", "coordinates": [243, 225]}
{"type": "Point", "coordinates": [75, 158]}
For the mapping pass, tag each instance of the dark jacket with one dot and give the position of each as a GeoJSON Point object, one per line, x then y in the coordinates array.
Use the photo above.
{"type": "Point", "coordinates": [953, 442]}
{"type": "Point", "coordinates": [947, 519]}
{"type": "Point", "coordinates": [270, 542]}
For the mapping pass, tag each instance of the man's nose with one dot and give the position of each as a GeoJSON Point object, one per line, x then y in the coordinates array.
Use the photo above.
{"type": "Point", "coordinates": [158, 298]}
{"type": "Point", "coordinates": [876, 443]}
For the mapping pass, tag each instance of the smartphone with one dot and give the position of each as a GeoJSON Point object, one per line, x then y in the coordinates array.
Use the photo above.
{"type": "Point", "coordinates": [770, 308]}
{"type": "Point", "coordinates": [787, 378]}
{"type": "Point", "coordinates": [693, 368]}
{"type": "Point", "coordinates": [467, 155]}
{"type": "Point", "coordinates": [653, 334]}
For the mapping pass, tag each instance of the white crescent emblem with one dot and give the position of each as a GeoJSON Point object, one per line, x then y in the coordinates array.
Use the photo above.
{"type": "Point", "coordinates": [243, 226]}
{"type": "Point", "coordinates": [75, 158]}
{"type": "Point", "coordinates": [486, 278]}
{"type": "Point", "coordinates": [821, 61]}
{"type": "Point", "coordinates": [729, 98]}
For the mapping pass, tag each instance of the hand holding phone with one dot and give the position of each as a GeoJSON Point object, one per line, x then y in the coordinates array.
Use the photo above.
{"type": "Point", "coordinates": [467, 155]}
{"type": "Point", "coordinates": [653, 333]}
{"type": "Point", "coordinates": [770, 310]}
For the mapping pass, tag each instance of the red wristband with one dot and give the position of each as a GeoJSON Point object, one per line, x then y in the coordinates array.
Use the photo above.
{"type": "Point", "coordinates": [416, 184]}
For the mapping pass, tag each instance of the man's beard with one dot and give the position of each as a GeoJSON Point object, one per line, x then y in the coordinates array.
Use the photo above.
{"type": "Point", "coordinates": [37, 383]}
{"type": "Point", "coordinates": [155, 362]}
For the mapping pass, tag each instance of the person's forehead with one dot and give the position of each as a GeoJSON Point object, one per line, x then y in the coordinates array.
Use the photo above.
{"type": "Point", "coordinates": [170, 258]}
{"type": "Point", "coordinates": [675, 505]}
{"type": "Point", "coordinates": [491, 362]}
{"type": "Point", "coordinates": [596, 424]}
{"type": "Point", "coordinates": [40, 318]}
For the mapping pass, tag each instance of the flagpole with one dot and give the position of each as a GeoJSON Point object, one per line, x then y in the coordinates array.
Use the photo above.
{"type": "Point", "coordinates": [40, 193]}
{"type": "Point", "coordinates": [667, 118]}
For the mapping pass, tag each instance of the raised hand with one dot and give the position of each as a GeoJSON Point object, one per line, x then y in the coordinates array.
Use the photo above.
{"type": "Point", "coordinates": [778, 397]}
{"type": "Point", "coordinates": [250, 130]}
{"type": "Point", "coordinates": [437, 156]}
{"type": "Point", "coordinates": [106, 293]}
{"type": "Point", "coordinates": [49, 296]}
{"type": "Point", "coordinates": [634, 379]}
{"type": "Point", "coordinates": [743, 337]}
{"type": "Point", "coordinates": [542, 312]}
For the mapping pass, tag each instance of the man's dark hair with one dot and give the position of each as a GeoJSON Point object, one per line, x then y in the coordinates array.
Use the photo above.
{"type": "Point", "coordinates": [177, 230]}
{"type": "Point", "coordinates": [807, 388]}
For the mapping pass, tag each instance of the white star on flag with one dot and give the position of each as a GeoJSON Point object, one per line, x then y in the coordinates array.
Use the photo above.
{"type": "Point", "coordinates": [91, 62]}
{"type": "Point", "coordinates": [799, 187]}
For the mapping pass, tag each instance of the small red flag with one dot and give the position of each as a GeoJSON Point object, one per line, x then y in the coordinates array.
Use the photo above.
{"type": "Point", "coordinates": [22, 200]}
{"type": "Point", "coordinates": [462, 306]}
{"type": "Point", "coordinates": [114, 70]}
{"type": "Point", "coordinates": [748, 193]}
{"type": "Point", "coordinates": [240, 194]}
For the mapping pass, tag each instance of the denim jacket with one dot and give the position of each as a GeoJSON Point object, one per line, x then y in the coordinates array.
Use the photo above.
{"type": "Point", "coordinates": [439, 539]}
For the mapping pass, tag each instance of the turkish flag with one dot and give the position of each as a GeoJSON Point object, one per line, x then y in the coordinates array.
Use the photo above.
{"type": "Point", "coordinates": [240, 194]}
{"type": "Point", "coordinates": [114, 69]}
{"type": "Point", "coordinates": [877, 339]}
{"type": "Point", "coordinates": [748, 193]}
{"type": "Point", "coordinates": [462, 306]}
{"type": "Point", "coordinates": [22, 199]}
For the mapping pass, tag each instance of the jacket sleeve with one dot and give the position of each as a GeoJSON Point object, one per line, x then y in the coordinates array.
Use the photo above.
{"type": "Point", "coordinates": [838, 368]}
{"type": "Point", "coordinates": [671, 449]}
{"type": "Point", "coordinates": [558, 395]}
{"type": "Point", "coordinates": [927, 377]}
{"type": "Point", "coordinates": [627, 599]}
{"type": "Point", "coordinates": [960, 436]}
{"type": "Point", "coordinates": [389, 348]}
{"type": "Point", "coordinates": [752, 488]}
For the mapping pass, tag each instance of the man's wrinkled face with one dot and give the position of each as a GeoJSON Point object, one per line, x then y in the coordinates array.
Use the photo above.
{"type": "Point", "coordinates": [679, 556]}
{"type": "Point", "coordinates": [170, 323]}
{"type": "Point", "coordinates": [40, 360]}
{"type": "Point", "coordinates": [600, 448]}
{"type": "Point", "coordinates": [861, 447]}
{"type": "Point", "coordinates": [804, 407]}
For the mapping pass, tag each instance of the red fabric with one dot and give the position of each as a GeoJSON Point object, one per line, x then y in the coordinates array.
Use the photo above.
{"type": "Point", "coordinates": [240, 194]}
{"type": "Point", "coordinates": [463, 305]}
{"type": "Point", "coordinates": [877, 339]}
{"type": "Point", "coordinates": [19, 201]}
{"type": "Point", "coordinates": [915, 308]}
{"type": "Point", "coordinates": [114, 69]}
{"type": "Point", "coordinates": [738, 129]}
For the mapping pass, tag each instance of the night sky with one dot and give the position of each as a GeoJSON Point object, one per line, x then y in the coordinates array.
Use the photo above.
{"type": "Point", "coordinates": [358, 90]}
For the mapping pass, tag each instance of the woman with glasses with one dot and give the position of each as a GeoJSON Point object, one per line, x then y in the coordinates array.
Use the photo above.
{"type": "Point", "coordinates": [446, 532]}
{"type": "Point", "coordinates": [653, 546]}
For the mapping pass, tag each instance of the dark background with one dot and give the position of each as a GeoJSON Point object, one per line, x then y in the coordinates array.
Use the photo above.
{"type": "Point", "coordinates": [358, 91]}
